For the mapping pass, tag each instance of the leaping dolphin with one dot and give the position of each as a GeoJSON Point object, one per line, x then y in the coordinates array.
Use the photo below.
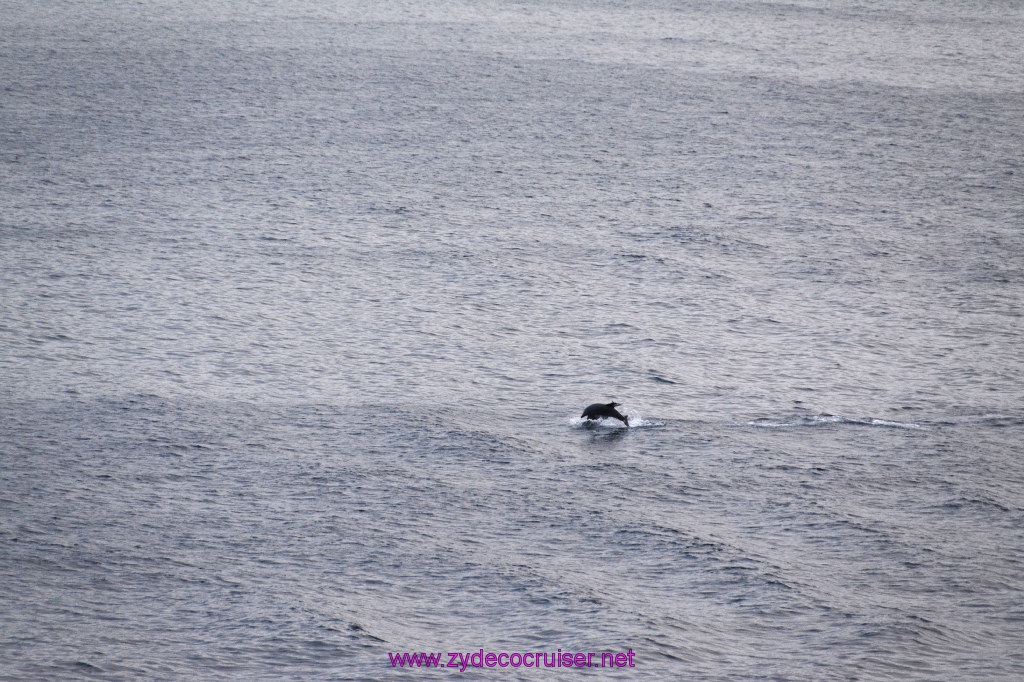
{"type": "Point", "coordinates": [600, 410]}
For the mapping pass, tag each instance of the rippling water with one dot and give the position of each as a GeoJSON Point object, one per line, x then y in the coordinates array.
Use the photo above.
{"type": "Point", "coordinates": [301, 302]}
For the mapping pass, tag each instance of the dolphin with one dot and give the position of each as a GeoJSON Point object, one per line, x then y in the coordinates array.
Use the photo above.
{"type": "Point", "coordinates": [599, 410]}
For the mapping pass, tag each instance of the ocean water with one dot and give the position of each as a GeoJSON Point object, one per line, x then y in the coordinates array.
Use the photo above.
{"type": "Point", "coordinates": [301, 302]}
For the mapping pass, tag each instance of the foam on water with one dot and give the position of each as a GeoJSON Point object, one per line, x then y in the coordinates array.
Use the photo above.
{"type": "Point", "coordinates": [631, 415]}
{"type": "Point", "coordinates": [817, 420]}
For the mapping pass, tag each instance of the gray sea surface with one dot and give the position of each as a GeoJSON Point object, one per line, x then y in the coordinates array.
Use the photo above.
{"type": "Point", "coordinates": [300, 303]}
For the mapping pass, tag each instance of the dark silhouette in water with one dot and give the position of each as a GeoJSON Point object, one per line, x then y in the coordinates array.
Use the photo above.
{"type": "Point", "coordinates": [601, 410]}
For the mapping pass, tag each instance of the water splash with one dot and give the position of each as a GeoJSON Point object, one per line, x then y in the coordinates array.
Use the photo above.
{"type": "Point", "coordinates": [634, 418]}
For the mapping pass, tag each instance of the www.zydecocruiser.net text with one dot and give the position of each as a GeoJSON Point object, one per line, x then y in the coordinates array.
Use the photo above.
{"type": "Point", "coordinates": [529, 659]}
